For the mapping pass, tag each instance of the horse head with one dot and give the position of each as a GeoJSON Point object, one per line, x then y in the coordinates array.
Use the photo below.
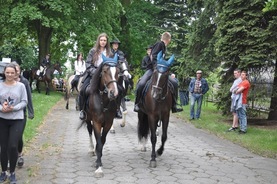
{"type": "Point", "coordinates": [160, 76]}
{"type": "Point", "coordinates": [109, 76]}
{"type": "Point", "coordinates": [57, 66]}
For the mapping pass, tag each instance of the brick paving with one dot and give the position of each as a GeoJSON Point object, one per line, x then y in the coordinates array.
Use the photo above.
{"type": "Point", "coordinates": [59, 154]}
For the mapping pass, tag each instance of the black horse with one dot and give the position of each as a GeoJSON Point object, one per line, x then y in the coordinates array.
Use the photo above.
{"type": "Point", "coordinates": [47, 78]}
{"type": "Point", "coordinates": [102, 105]}
{"type": "Point", "coordinates": [155, 107]}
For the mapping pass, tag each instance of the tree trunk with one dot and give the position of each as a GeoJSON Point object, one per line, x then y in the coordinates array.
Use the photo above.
{"type": "Point", "coordinates": [273, 104]}
{"type": "Point", "coordinates": [44, 35]}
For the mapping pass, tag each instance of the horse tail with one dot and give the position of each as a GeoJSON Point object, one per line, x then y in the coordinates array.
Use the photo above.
{"type": "Point", "coordinates": [143, 126]}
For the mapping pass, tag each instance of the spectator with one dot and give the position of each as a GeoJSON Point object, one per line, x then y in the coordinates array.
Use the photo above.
{"type": "Point", "coordinates": [13, 100]}
{"type": "Point", "coordinates": [184, 92]}
{"type": "Point", "coordinates": [243, 89]}
{"type": "Point", "coordinates": [234, 87]}
{"type": "Point", "coordinates": [19, 78]}
{"type": "Point", "coordinates": [79, 69]}
{"type": "Point", "coordinates": [198, 87]}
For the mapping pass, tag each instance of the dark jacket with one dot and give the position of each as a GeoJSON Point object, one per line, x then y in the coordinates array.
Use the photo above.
{"type": "Point", "coordinates": [45, 62]}
{"type": "Point", "coordinates": [146, 63]}
{"type": "Point", "coordinates": [120, 55]}
{"type": "Point", "coordinates": [159, 46]}
{"type": "Point", "coordinates": [29, 96]}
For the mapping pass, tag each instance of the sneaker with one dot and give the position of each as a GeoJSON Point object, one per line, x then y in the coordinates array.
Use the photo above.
{"type": "Point", "coordinates": [82, 115]}
{"type": "Point", "coordinates": [232, 129]}
{"type": "Point", "coordinates": [20, 161]}
{"type": "Point", "coordinates": [191, 119]}
{"type": "Point", "coordinates": [3, 177]}
{"type": "Point", "coordinates": [242, 132]}
{"type": "Point", "coordinates": [12, 178]}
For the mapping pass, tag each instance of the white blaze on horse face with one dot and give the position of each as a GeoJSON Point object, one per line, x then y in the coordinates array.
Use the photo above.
{"type": "Point", "coordinates": [113, 72]}
{"type": "Point", "coordinates": [158, 79]}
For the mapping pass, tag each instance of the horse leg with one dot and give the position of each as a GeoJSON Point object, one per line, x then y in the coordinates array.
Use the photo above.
{"type": "Point", "coordinates": [38, 86]}
{"type": "Point", "coordinates": [124, 113]}
{"type": "Point", "coordinates": [153, 127]}
{"type": "Point", "coordinates": [99, 149]}
{"type": "Point", "coordinates": [91, 145]}
{"type": "Point", "coordinates": [164, 135]}
{"type": "Point", "coordinates": [47, 88]}
{"type": "Point", "coordinates": [77, 103]}
{"type": "Point", "coordinates": [143, 129]}
{"type": "Point", "coordinates": [112, 130]}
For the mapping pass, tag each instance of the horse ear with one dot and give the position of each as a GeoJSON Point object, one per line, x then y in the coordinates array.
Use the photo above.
{"type": "Point", "coordinates": [104, 57]}
{"type": "Point", "coordinates": [115, 58]}
{"type": "Point", "coordinates": [160, 55]}
{"type": "Point", "coordinates": [170, 61]}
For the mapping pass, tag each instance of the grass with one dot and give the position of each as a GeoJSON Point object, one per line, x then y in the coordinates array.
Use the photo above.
{"type": "Point", "coordinates": [258, 140]}
{"type": "Point", "coordinates": [42, 104]}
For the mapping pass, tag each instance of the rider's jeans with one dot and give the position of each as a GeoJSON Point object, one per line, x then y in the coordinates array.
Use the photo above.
{"type": "Point", "coordinates": [195, 98]}
{"type": "Point", "coordinates": [242, 117]}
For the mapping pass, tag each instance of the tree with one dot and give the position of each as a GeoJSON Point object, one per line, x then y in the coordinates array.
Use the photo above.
{"type": "Point", "coordinates": [245, 39]}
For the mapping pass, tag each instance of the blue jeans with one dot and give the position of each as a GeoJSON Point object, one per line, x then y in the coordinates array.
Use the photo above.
{"type": "Point", "coordinates": [184, 97]}
{"type": "Point", "coordinates": [241, 112]}
{"type": "Point", "coordinates": [195, 98]}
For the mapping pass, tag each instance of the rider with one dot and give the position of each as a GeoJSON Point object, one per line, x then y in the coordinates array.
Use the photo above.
{"type": "Point", "coordinates": [44, 65]}
{"type": "Point", "coordinates": [159, 46]}
{"type": "Point", "coordinates": [80, 68]}
{"type": "Point", "coordinates": [94, 59]}
{"type": "Point", "coordinates": [146, 61]}
{"type": "Point", "coordinates": [115, 44]}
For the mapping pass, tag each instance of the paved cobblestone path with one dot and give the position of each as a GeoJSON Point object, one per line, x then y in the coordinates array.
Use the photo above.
{"type": "Point", "coordinates": [59, 154]}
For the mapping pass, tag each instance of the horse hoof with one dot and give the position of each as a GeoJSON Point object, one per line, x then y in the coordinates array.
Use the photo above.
{"type": "Point", "coordinates": [153, 164]}
{"type": "Point", "coordinates": [122, 124]}
{"type": "Point", "coordinates": [91, 151]}
{"type": "Point", "coordinates": [99, 173]}
{"type": "Point", "coordinates": [112, 131]}
{"type": "Point", "coordinates": [143, 149]}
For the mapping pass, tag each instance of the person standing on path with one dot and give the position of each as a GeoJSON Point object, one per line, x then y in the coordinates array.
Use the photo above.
{"type": "Point", "coordinates": [13, 100]}
{"type": "Point", "coordinates": [237, 81]}
{"type": "Point", "coordinates": [243, 89]}
{"type": "Point", "coordinates": [19, 78]}
{"type": "Point", "coordinates": [198, 87]}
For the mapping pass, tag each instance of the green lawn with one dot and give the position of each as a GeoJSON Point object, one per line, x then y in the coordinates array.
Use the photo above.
{"type": "Point", "coordinates": [42, 104]}
{"type": "Point", "coordinates": [257, 140]}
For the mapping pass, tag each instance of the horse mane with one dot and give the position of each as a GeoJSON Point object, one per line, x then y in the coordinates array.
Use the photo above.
{"type": "Point", "coordinates": [95, 80]}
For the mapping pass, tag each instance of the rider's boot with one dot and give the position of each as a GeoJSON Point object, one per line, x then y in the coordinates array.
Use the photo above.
{"type": "Point", "coordinates": [82, 103]}
{"type": "Point", "coordinates": [174, 108]}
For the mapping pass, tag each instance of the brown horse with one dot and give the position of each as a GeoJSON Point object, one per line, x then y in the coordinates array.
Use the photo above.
{"type": "Point", "coordinates": [47, 78]}
{"type": "Point", "coordinates": [155, 108]}
{"type": "Point", "coordinates": [101, 109]}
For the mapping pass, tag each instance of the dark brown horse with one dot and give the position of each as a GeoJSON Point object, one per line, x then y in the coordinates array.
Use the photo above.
{"type": "Point", "coordinates": [155, 108]}
{"type": "Point", "coordinates": [101, 109]}
{"type": "Point", "coordinates": [47, 78]}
